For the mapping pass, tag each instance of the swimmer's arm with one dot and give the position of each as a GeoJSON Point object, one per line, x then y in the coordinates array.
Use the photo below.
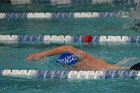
{"type": "Point", "coordinates": [56, 51]}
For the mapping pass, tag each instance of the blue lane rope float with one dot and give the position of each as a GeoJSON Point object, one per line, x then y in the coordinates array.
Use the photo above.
{"type": "Point", "coordinates": [95, 39]}
{"type": "Point", "coordinates": [27, 38]}
{"type": "Point", "coordinates": [62, 15]}
{"type": "Point", "coordinates": [70, 75]}
{"type": "Point", "coordinates": [61, 39]}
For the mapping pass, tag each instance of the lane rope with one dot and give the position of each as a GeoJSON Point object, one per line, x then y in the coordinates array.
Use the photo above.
{"type": "Point", "coordinates": [58, 2]}
{"type": "Point", "coordinates": [84, 75]}
{"type": "Point", "coordinates": [61, 39]}
{"type": "Point", "coordinates": [62, 15]}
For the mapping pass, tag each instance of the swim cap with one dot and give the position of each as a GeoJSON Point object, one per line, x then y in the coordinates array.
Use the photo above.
{"type": "Point", "coordinates": [67, 58]}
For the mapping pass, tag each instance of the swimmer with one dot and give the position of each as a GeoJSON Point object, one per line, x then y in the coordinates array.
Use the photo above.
{"type": "Point", "coordinates": [79, 59]}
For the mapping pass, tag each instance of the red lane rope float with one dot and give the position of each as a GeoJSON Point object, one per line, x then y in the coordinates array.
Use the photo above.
{"type": "Point", "coordinates": [88, 39]}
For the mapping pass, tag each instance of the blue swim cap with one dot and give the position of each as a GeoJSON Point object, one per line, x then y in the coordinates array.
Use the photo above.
{"type": "Point", "coordinates": [67, 58]}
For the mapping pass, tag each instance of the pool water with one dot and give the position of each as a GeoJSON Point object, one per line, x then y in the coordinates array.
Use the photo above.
{"type": "Point", "coordinates": [13, 57]}
{"type": "Point", "coordinates": [74, 7]}
{"type": "Point", "coordinates": [97, 26]}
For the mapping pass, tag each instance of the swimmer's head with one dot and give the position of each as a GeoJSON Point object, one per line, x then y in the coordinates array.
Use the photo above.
{"type": "Point", "coordinates": [67, 59]}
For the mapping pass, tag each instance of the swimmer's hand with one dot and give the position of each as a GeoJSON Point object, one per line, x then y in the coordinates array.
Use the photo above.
{"type": "Point", "coordinates": [35, 57]}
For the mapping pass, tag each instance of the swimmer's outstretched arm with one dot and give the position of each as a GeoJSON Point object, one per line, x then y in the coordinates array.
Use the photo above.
{"type": "Point", "coordinates": [62, 49]}
{"type": "Point", "coordinates": [56, 51]}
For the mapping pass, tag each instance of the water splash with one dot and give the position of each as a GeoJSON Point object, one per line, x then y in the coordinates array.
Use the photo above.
{"type": "Point", "coordinates": [134, 23]}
